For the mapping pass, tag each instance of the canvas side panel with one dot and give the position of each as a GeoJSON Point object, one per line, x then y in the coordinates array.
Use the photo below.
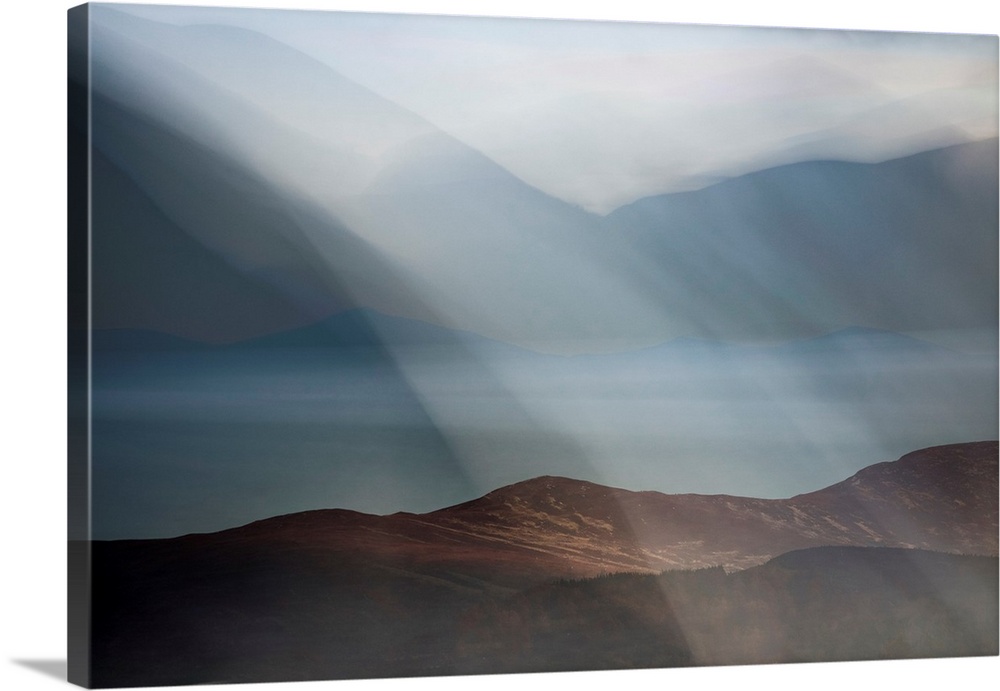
{"type": "Point", "coordinates": [78, 344]}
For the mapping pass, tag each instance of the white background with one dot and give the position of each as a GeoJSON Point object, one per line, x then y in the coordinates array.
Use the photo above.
{"type": "Point", "coordinates": [32, 271]}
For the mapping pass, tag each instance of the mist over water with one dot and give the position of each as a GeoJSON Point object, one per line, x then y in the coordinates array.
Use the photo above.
{"type": "Point", "coordinates": [196, 441]}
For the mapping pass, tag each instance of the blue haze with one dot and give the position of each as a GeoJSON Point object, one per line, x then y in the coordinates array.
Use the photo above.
{"type": "Point", "coordinates": [193, 439]}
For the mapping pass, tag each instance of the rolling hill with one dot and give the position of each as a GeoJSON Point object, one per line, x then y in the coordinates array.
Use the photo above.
{"type": "Point", "coordinates": [524, 579]}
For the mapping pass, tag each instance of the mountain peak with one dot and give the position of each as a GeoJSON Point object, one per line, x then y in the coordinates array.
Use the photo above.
{"type": "Point", "coordinates": [549, 490]}
{"type": "Point", "coordinates": [929, 471]}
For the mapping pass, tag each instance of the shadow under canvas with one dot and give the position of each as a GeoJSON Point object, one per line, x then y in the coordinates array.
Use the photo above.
{"type": "Point", "coordinates": [51, 668]}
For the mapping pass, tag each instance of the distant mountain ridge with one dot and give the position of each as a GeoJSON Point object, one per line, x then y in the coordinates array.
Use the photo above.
{"type": "Point", "coordinates": [268, 228]}
{"type": "Point", "coordinates": [367, 328]}
{"type": "Point", "coordinates": [868, 244]}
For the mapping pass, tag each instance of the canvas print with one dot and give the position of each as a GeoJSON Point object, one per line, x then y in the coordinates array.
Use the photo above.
{"type": "Point", "coordinates": [424, 345]}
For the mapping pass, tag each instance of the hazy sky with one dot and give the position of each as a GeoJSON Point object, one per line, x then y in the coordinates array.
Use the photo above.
{"type": "Point", "coordinates": [547, 99]}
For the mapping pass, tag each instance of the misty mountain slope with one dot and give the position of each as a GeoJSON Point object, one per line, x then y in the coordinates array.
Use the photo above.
{"type": "Point", "coordinates": [903, 245]}
{"type": "Point", "coordinates": [180, 80]}
{"type": "Point", "coordinates": [498, 257]}
{"type": "Point", "coordinates": [785, 253]}
{"type": "Point", "coordinates": [143, 262]}
{"type": "Point", "coordinates": [295, 116]}
{"type": "Point", "coordinates": [430, 193]}
{"type": "Point", "coordinates": [219, 225]}
{"type": "Point", "coordinates": [226, 174]}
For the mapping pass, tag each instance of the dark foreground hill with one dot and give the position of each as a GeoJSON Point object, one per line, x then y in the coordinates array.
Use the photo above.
{"type": "Point", "coordinates": [825, 603]}
{"type": "Point", "coordinates": [507, 582]}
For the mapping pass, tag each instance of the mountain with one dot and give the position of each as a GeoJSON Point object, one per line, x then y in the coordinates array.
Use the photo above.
{"type": "Point", "coordinates": [944, 499]}
{"type": "Point", "coordinates": [558, 574]}
{"type": "Point", "coordinates": [258, 191]}
{"type": "Point", "coordinates": [941, 499]}
{"type": "Point", "coordinates": [896, 245]}
{"type": "Point", "coordinates": [314, 198]}
{"type": "Point", "coordinates": [192, 236]}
